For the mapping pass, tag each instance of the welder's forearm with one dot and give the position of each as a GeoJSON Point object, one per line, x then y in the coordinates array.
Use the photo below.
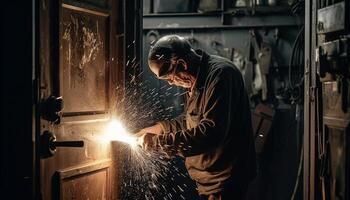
{"type": "Point", "coordinates": [173, 125]}
{"type": "Point", "coordinates": [156, 129]}
{"type": "Point", "coordinates": [193, 141]}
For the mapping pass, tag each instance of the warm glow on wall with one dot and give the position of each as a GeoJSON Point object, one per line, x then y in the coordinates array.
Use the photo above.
{"type": "Point", "coordinates": [115, 131]}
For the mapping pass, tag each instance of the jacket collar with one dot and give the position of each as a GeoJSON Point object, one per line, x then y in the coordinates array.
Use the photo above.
{"type": "Point", "coordinates": [202, 70]}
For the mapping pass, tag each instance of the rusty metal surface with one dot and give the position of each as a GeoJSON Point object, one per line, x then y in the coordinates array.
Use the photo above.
{"type": "Point", "coordinates": [337, 153]}
{"type": "Point", "coordinates": [333, 133]}
{"type": "Point", "coordinates": [331, 18]}
{"type": "Point", "coordinates": [332, 100]}
{"type": "Point", "coordinates": [83, 64]}
{"type": "Point", "coordinates": [336, 130]}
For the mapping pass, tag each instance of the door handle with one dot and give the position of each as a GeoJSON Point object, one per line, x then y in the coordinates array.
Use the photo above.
{"type": "Point", "coordinates": [68, 143]}
{"type": "Point", "coordinates": [48, 144]}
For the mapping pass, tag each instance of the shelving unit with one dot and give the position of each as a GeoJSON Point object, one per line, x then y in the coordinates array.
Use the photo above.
{"type": "Point", "coordinates": [205, 21]}
{"type": "Point", "coordinates": [261, 16]}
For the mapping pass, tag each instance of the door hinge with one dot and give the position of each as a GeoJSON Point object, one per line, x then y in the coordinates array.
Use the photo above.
{"type": "Point", "coordinates": [312, 92]}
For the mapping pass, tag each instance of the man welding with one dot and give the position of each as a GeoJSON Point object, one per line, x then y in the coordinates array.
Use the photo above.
{"type": "Point", "coordinates": [214, 134]}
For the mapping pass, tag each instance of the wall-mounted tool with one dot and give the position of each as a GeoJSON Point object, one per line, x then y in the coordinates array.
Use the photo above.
{"type": "Point", "coordinates": [263, 53]}
{"type": "Point", "coordinates": [262, 119]}
{"type": "Point", "coordinates": [264, 60]}
{"type": "Point", "coordinates": [333, 56]}
{"type": "Point", "coordinates": [253, 73]}
{"type": "Point", "coordinates": [238, 59]}
{"type": "Point", "coordinates": [48, 144]}
{"type": "Point", "coordinates": [332, 52]}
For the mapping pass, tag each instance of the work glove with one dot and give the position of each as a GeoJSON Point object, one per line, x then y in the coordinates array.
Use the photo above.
{"type": "Point", "coordinates": [147, 137]}
{"type": "Point", "coordinates": [146, 141]}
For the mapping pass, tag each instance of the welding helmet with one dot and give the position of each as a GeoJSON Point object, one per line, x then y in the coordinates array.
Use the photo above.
{"type": "Point", "coordinates": [163, 55]}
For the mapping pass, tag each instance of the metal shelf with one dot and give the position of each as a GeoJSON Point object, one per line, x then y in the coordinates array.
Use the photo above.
{"type": "Point", "coordinates": [263, 10]}
{"type": "Point", "coordinates": [217, 21]}
{"type": "Point", "coordinates": [185, 14]}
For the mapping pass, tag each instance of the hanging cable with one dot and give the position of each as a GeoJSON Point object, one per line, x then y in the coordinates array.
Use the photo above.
{"type": "Point", "coordinates": [296, 84]}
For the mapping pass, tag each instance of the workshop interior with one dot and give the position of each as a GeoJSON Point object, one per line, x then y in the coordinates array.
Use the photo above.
{"type": "Point", "coordinates": [70, 68]}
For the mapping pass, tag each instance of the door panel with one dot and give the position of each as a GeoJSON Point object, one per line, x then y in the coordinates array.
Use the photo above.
{"type": "Point", "coordinates": [85, 182]}
{"type": "Point", "coordinates": [77, 51]}
{"type": "Point", "coordinates": [83, 60]}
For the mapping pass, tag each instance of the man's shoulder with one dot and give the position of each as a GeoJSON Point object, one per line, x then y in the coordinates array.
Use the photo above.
{"type": "Point", "coordinates": [218, 59]}
{"type": "Point", "coordinates": [221, 65]}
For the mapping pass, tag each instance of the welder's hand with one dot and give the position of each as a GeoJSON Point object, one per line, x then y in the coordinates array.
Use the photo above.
{"type": "Point", "coordinates": [155, 129]}
{"type": "Point", "coordinates": [146, 137]}
{"type": "Point", "coordinates": [147, 141]}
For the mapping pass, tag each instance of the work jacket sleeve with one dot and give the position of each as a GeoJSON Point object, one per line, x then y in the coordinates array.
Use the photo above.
{"type": "Point", "coordinates": [174, 125]}
{"type": "Point", "coordinates": [222, 90]}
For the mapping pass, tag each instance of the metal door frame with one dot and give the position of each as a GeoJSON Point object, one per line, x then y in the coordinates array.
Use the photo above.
{"type": "Point", "coordinates": [310, 103]}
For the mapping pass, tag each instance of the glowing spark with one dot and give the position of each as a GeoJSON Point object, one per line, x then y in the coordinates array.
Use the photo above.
{"type": "Point", "coordinates": [115, 131]}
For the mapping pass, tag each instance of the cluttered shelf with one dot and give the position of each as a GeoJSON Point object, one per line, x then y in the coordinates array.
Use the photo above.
{"type": "Point", "coordinates": [261, 10]}
{"type": "Point", "coordinates": [183, 14]}
{"type": "Point", "coordinates": [261, 16]}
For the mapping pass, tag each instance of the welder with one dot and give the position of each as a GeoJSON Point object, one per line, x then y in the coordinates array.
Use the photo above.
{"type": "Point", "coordinates": [214, 134]}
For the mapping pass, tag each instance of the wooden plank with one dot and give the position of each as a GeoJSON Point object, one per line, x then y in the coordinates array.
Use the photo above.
{"type": "Point", "coordinates": [83, 169]}
{"type": "Point", "coordinates": [89, 181]}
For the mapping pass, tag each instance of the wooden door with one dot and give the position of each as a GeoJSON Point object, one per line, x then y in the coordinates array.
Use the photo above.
{"type": "Point", "coordinates": [79, 48]}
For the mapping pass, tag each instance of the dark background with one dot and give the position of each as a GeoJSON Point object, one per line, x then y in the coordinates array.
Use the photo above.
{"type": "Point", "coordinates": [16, 100]}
